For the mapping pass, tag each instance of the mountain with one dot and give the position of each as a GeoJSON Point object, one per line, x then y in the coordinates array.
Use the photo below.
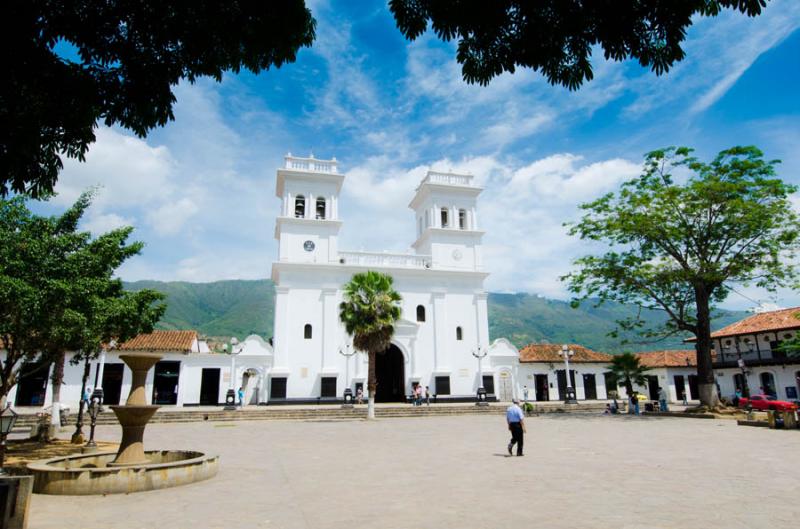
{"type": "Point", "coordinates": [239, 308]}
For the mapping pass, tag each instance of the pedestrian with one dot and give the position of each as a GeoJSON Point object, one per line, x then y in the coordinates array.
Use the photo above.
{"type": "Point", "coordinates": [662, 399]}
{"type": "Point", "coordinates": [428, 395]}
{"type": "Point", "coordinates": [614, 406]}
{"type": "Point", "coordinates": [525, 393]}
{"type": "Point", "coordinates": [636, 403]}
{"type": "Point", "coordinates": [685, 401]}
{"type": "Point", "coordinates": [241, 397]}
{"type": "Point", "coordinates": [87, 396]}
{"type": "Point", "coordinates": [516, 425]}
{"type": "Point", "coordinates": [360, 395]}
{"type": "Point", "coordinates": [419, 394]}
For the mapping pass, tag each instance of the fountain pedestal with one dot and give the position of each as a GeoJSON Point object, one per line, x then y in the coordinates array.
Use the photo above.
{"type": "Point", "coordinates": [135, 414]}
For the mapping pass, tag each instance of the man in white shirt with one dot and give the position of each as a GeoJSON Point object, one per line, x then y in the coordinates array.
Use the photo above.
{"type": "Point", "coordinates": [516, 424]}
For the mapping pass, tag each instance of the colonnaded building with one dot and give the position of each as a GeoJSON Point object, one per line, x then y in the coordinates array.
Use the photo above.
{"type": "Point", "coordinates": [441, 280]}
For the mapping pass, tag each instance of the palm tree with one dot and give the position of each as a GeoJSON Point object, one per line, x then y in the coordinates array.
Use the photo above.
{"type": "Point", "coordinates": [370, 307]}
{"type": "Point", "coordinates": [627, 369]}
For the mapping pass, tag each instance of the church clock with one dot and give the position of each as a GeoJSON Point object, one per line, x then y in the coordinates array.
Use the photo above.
{"type": "Point", "coordinates": [308, 246]}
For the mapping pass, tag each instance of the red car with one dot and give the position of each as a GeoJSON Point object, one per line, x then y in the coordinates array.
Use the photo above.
{"type": "Point", "coordinates": [767, 402]}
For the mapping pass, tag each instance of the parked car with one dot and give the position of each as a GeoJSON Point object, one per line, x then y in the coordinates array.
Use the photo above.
{"type": "Point", "coordinates": [767, 402]}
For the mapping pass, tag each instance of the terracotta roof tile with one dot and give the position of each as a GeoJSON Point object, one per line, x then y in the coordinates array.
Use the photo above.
{"type": "Point", "coordinates": [181, 341]}
{"type": "Point", "coordinates": [549, 353]}
{"type": "Point", "coordinates": [669, 358]}
{"type": "Point", "coordinates": [776, 320]}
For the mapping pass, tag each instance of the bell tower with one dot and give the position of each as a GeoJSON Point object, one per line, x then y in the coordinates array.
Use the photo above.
{"type": "Point", "coordinates": [447, 221]}
{"type": "Point", "coordinates": [308, 227]}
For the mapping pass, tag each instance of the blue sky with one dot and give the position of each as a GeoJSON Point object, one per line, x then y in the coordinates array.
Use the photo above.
{"type": "Point", "coordinates": [200, 191]}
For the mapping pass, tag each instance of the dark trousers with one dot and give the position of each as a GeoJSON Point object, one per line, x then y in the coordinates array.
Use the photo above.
{"type": "Point", "coordinates": [516, 436]}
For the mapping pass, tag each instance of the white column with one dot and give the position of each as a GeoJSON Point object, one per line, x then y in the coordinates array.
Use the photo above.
{"type": "Point", "coordinates": [329, 323]}
{"type": "Point", "coordinates": [482, 318]}
{"type": "Point", "coordinates": [474, 218]}
{"type": "Point", "coordinates": [101, 369]}
{"type": "Point", "coordinates": [281, 327]}
{"type": "Point", "coordinates": [440, 329]}
{"type": "Point", "coordinates": [437, 217]}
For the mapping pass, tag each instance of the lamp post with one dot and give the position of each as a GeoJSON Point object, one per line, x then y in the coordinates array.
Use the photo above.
{"type": "Point", "coordinates": [230, 396]}
{"type": "Point", "coordinates": [8, 418]}
{"type": "Point", "coordinates": [566, 352]}
{"type": "Point", "coordinates": [480, 353]}
{"type": "Point", "coordinates": [743, 367]}
{"type": "Point", "coordinates": [347, 352]}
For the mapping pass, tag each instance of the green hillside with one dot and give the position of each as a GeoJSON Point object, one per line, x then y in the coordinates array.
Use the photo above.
{"type": "Point", "coordinates": [239, 308]}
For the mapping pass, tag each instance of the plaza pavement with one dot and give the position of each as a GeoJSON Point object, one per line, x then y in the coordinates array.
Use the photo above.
{"type": "Point", "coordinates": [453, 472]}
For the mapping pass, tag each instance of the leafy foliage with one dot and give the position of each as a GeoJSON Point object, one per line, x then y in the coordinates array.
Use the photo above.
{"type": "Point", "coordinates": [556, 37]}
{"type": "Point", "coordinates": [680, 248]}
{"type": "Point", "coordinates": [57, 291]}
{"type": "Point", "coordinates": [626, 370]}
{"type": "Point", "coordinates": [69, 65]}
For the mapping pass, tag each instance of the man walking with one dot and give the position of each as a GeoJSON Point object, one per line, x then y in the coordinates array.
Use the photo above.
{"type": "Point", "coordinates": [516, 425]}
{"type": "Point", "coordinates": [662, 399]}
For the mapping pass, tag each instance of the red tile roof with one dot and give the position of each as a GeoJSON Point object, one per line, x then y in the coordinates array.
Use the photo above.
{"type": "Point", "coordinates": [181, 341]}
{"type": "Point", "coordinates": [776, 320]}
{"type": "Point", "coordinates": [549, 353]}
{"type": "Point", "coordinates": [669, 358]}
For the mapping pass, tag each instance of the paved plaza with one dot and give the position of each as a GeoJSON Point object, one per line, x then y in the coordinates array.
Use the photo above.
{"type": "Point", "coordinates": [453, 472]}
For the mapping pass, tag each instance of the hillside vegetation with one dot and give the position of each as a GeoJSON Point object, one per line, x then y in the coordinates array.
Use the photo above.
{"type": "Point", "coordinates": [239, 308]}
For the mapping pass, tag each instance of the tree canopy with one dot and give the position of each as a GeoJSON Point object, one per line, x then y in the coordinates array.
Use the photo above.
{"type": "Point", "coordinates": [626, 369]}
{"type": "Point", "coordinates": [57, 290]}
{"type": "Point", "coordinates": [70, 65]}
{"type": "Point", "coordinates": [680, 247]}
{"type": "Point", "coordinates": [556, 37]}
{"type": "Point", "coordinates": [369, 309]}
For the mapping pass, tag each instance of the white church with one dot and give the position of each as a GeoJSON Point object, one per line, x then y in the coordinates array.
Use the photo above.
{"type": "Point", "coordinates": [444, 321]}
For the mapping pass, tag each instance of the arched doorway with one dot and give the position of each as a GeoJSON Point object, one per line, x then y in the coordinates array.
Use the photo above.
{"type": "Point", "coordinates": [250, 386]}
{"type": "Point", "coordinates": [390, 375]}
{"type": "Point", "coordinates": [768, 383]}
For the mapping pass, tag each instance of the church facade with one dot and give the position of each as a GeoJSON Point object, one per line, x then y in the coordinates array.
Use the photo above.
{"type": "Point", "coordinates": [444, 321]}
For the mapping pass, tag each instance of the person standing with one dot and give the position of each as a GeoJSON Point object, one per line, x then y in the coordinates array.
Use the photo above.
{"type": "Point", "coordinates": [662, 399]}
{"type": "Point", "coordinates": [241, 397]}
{"type": "Point", "coordinates": [516, 425]}
{"type": "Point", "coordinates": [636, 403]}
{"type": "Point", "coordinates": [360, 395]}
{"type": "Point", "coordinates": [428, 395]}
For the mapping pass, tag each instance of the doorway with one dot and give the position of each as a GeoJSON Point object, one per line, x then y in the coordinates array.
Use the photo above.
{"type": "Point", "coordinates": [589, 387]}
{"type": "Point", "coordinates": [390, 376]}
{"type": "Point", "coordinates": [112, 383]}
{"type": "Point", "coordinates": [694, 394]}
{"type": "Point", "coordinates": [505, 389]}
{"type": "Point", "coordinates": [768, 383]}
{"type": "Point", "coordinates": [652, 386]}
{"type": "Point", "coordinates": [562, 382]}
{"type": "Point", "coordinates": [542, 388]}
{"type": "Point", "coordinates": [680, 387]}
{"type": "Point", "coordinates": [165, 382]}
{"type": "Point", "coordinates": [250, 386]}
{"type": "Point", "coordinates": [32, 385]}
{"type": "Point", "coordinates": [209, 386]}
{"type": "Point", "coordinates": [611, 385]}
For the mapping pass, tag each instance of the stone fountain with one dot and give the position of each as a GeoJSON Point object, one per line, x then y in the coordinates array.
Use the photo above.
{"type": "Point", "coordinates": [131, 469]}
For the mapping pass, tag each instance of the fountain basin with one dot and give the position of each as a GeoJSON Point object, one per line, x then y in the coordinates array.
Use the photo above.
{"type": "Point", "coordinates": [86, 474]}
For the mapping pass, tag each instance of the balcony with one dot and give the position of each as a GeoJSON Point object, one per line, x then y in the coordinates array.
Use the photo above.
{"type": "Point", "coordinates": [311, 164]}
{"type": "Point", "coordinates": [452, 179]}
{"type": "Point", "coordinates": [385, 260]}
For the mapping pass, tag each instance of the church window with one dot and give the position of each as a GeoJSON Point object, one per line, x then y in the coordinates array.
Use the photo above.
{"type": "Point", "coordinates": [459, 334]}
{"type": "Point", "coordinates": [462, 219]}
{"type": "Point", "coordinates": [307, 331]}
{"type": "Point", "coordinates": [300, 207]}
{"type": "Point", "coordinates": [321, 208]}
{"type": "Point", "coordinates": [442, 385]}
{"type": "Point", "coordinates": [420, 313]}
{"type": "Point", "coordinates": [444, 218]}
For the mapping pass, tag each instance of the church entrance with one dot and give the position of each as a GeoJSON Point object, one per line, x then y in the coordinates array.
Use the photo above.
{"type": "Point", "coordinates": [390, 375]}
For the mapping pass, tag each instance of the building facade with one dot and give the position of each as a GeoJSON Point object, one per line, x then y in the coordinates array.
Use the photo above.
{"type": "Point", "coordinates": [441, 280]}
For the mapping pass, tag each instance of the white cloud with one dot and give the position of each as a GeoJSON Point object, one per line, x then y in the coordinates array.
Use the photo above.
{"type": "Point", "coordinates": [103, 223]}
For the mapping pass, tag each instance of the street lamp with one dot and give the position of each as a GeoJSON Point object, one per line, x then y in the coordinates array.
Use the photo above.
{"type": "Point", "coordinates": [8, 418]}
{"type": "Point", "coordinates": [566, 352]}
{"type": "Point", "coordinates": [95, 407]}
{"type": "Point", "coordinates": [480, 353]}
{"type": "Point", "coordinates": [346, 352]}
{"type": "Point", "coordinates": [230, 396]}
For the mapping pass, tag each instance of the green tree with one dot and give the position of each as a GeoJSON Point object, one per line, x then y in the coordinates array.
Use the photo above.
{"type": "Point", "coordinates": [626, 369]}
{"type": "Point", "coordinates": [792, 346]}
{"type": "Point", "coordinates": [680, 247]}
{"type": "Point", "coordinates": [556, 37]}
{"type": "Point", "coordinates": [57, 290]}
{"type": "Point", "coordinates": [70, 65]}
{"type": "Point", "coordinates": [369, 310]}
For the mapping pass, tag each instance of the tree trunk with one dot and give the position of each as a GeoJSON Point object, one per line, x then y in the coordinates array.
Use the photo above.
{"type": "Point", "coordinates": [77, 437]}
{"type": "Point", "coordinates": [372, 384]}
{"type": "Point", "coordinates": [706, 384]}
{"type": "Point", "coordinates": [58, 379]}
